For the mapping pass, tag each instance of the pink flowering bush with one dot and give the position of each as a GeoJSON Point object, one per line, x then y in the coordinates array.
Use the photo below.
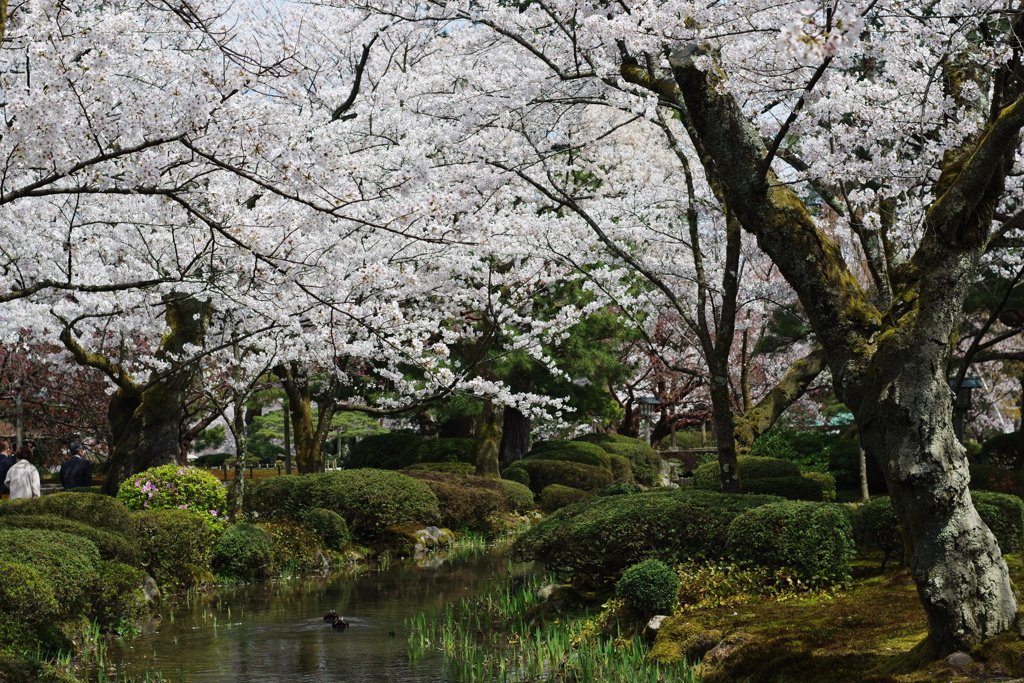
{"type": "Point", "coordinates": [175, 487]}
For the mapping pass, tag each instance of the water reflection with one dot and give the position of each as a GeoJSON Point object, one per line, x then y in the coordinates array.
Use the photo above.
{"type": "Point", "coordinates": [275, 631]}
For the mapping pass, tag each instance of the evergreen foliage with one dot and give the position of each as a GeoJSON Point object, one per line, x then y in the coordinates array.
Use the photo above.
{"type": "Point", "coordinates": [649, 587]}
{"type": "Point", "coordinates": [244, 553]}
{"type": "Point", "coordinates": [555, 497]}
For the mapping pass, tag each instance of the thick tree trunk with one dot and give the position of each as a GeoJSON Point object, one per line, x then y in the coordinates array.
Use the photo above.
{"type": "Point", "coordinates": [295, 382]}
{"type": "Point", "coordinates": [146, 421]}
{"type": "Point", "coordinates": [515, 436]}
{"type": "Point", "coordinates": [238, 431]}
{"type": "Point", "coordinates": [956, 562]}
{"type": "Point", "coordinates": [489, 430]}
{"type": "Point", "coordinates": [725, 434]}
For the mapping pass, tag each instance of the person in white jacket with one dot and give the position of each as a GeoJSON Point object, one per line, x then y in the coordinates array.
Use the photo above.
{"type": "Point", "coordinates": [23, 478]}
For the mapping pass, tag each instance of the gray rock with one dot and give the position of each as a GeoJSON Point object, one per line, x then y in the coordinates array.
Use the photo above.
{"type": "Point", "coordinates": [959, 659]}
{"type": "Point", "coordinates": [150, 589]}
{"type": "Point", "coordinates": [548, 591]}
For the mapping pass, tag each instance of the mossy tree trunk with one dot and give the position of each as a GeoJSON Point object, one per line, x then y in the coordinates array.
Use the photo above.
{"type": "Point", "coordinates": [307, 438]}
{"type": "Point", "coordinates": [146, 419]}
{"type": "Point", "coordinates": [489, 429]}
{"type": "Point", "coordinates": [888, 366]}
{"type": "Point", "coordinates": [515, 435]}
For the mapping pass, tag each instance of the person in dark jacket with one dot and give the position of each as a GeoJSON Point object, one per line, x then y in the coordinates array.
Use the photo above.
{"type": "Point", "coordinates": [76, 471]}
{"type": "Point", "coordinates": [6, 460]}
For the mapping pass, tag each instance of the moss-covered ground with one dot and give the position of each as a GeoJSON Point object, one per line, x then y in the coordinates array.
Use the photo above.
{"type": "Point", "coordinates": [866, 632]}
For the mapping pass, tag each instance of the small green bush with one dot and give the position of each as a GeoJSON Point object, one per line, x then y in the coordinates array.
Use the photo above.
{"type": "Point", "coordinates": [22, 664]}
{"type": "Point", "coordinates": [706, 476]}
{"type": "Point", "coordinates": [175, 545]}
{"type": "Point", "coordinates": [112, 546]}
{"type": "Point", "coordinates": [649, 587]}
{"type": "Point", "coordinates": [827, 482]}
{"type": "Point", "coordinates": [26, 594]}
{"type": "Point", "coordinates": [791, 488]}
{"type": "Point", "coordinates": [645, 461]}
{"type": "Point", "coordinates": [555, 497]}
{"type": "Point", "coordinates": [813, 539]}
{"type": "Point", "coordinates": [89, 508]}
{"type": "Point", "coordinates": [448, 467]}
{"type": "Point", "coordinates": [369, 500]}
{"type": "Point", "coordinates": [329, 528]}
{"type": "Point", "coordinates": [66, 562]}
{"type": "Point", "coordinates": [520, 497]}
{"type": "Point", "coordinates": [1002, 450]}
{"type": "Point", "coordinates": [118, 602]}
{"type": "Point", "coordinates": [171, 487]}
{"type": "Point", "coordinates": [619, 490]}
{"type": "Point", "coordinates": [622, 469]}
{"type": "Point", "coordinates": [876, 527]}
{"type": "Point", "coordinates": [441, 450]}
{"type": "Point", "coordinates": [605, 534]}
{"type": "Point", "coordinates": [1004, 515]}
{"type": "Point", "coordinates": [295, 549]}
{"type": "Point", "coordinates": [543, 473]}
{"type": "Point", "coordinates": [517, 474]}
{"type": "Point", "coordinates": [986, 477]}
{"type": "Point", "coordinates": [570, 451]}
{"type": "Point", "coordinates": [377, 449]}
{"type": "Point", "coordinates": [244, 553]}
{"type": "Point", "coordinates": [465, 502]}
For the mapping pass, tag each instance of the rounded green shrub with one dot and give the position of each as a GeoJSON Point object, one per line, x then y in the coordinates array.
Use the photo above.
{"type": "Point", "coordinates": [827, 482]}
{"type": "Point", "coordinates": [66, 562]}
{"type": "Point", "coordinates": [295, 547]}
{"type": "Point", "coordinates": [1002, 450]}
{"type": "Point", "coordinates": [644, 460]}
{"type": "Point", "coordinates": [175, 546]}
{"type": "Point", "coordinates": [619, 490]}
{"type": "Point", "coordinates": [112, 546]}
{"type": "Point", "coordinates": [117, 598]}
{"type": "Point", "coordinates": [441, 450]}
{"type": "Point", "coordinates": [519, 496]}
{"type": "Point", "coordinates": [212, 460]}
{"type": "Point", "coordinates": [605, 534]}
{"type": "Point", "coordinates": [377, 449]}
{"type": "Point", "coordinates": [1004, 516]}
{"type": "Point", "coordinates": [329, 527]}
{"type": "Point", "coordinates": [170, 487]}
{"type": "Point", "coordinates": [649, 587]}
{"type": "Point", "coordinates": [555, 497]}
{"type": "Point", "coordinates": [543, 473]}
{"type": "Point", "coordinates": [791, 488]}
{"type": "Point", "coordinates": [369, 500]}
{"type": "Point", "coordinates": [986, 477]}
{"type": "Point", "coordinates": [622, 469]}
{"type": "Point", "coordinates": [751, 467]}
{"type": "Point", "coordinates": [465, 502]}
{"type": "Point", "coordinates": [812, 539]}
{"type": "Point", "coordinates": [244, 553]}
{"type": "Point", "coordinates": [26, 594]}
{"type": "Point", "coordinates": [448, 467]}
{"type": "Point", "coordinates": [876, 527]}
{"type": "Point", "coordinates": [570, 451]}
{"type": "Point", "coordinates": [89, 508]}
{"type": "Point", "coordinates": [516, 474]}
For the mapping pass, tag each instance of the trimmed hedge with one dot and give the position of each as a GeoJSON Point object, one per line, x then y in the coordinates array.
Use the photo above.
{"type": "Point", "coordinates": [295, 548]}
{"type": "Point", "coordinates": [876, 527]}
{"type": "Point", "coordinates": [447, 467]}
{"type": "Point", "coordinates": [520, 497]}
{"type": "Point", "coordinates": [649, 587]}
{"type": "Point", "coordinates": [441, 450]}
{"type": "Point", "coordinates": [619, 490]}
{"type": "Point", "coordinates": [555, 497]}
{"type": "Point", "coordinates": [605, 534]}
{"type": "Point", "coordinates": [369, 500]}
{"type": "Point", "coordinates": [117, 597]}
{"type": "Point", "coordinates": [66, 562]}
{"type": "Point", "coordinates": [570, 451]}
{"type": "Point", "coordinates": [176, 546]}
{"type": "Point", "coordinates": [244, 553]}
{"type": "Point", "coordinates": [828, 484]}
{"type": "Point", "coordinates": [622, 469]}
{"type": "Point", "coordinates": [995, 478]}
{"type": "Point", "coordinates": [517, 474]}
{"type": "Point", "coordinates": [112, 546]}
{"type": "Point", "coordinates": [645, 461]}
{"type": "Point", "coordinates": [329, 527]}
{"type": "Point", "coordinates": [543, 473]}
{"type": "Point", "coordinates": [465, 502]}
{"type": "Point", "coordinates": [26, 594]}
{"type": "Point", "coordinates": [382, 450]}
{"type": "Point", "coordinates": [1002, 450]}
{"type": "Point", "coordinates": [1004, 515]}
{"type": "Point", "coordinates": [89, 508]}
{"type": "Point", "coordinates": [813, 539]}
{"type": "Point", "coordinates": [751, 467]}
{"type": "Point", "coordinates": [791, 488]}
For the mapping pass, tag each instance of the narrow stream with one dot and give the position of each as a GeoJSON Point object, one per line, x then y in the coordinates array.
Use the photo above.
{"type": "Point", "coordinates": [275, 631]}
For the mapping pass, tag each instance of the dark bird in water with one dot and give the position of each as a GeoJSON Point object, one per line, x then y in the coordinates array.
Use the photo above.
{"type": "Point", "coordinates": [331, 617]}
{"type": "Point", "coordinates": [391, 634]}
{"type": "Point", "coordinates": [340, 623]}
